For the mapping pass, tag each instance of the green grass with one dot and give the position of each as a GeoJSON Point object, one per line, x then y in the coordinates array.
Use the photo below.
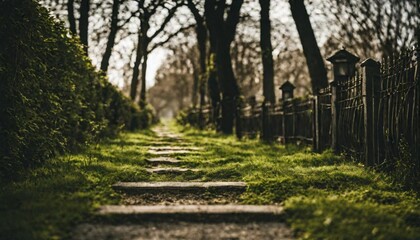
{"type": "Point", "coordinates": [324, 196]}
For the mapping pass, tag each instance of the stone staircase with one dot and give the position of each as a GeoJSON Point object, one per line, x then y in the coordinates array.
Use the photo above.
{"type": "Point", "coordinates": [183, 210]}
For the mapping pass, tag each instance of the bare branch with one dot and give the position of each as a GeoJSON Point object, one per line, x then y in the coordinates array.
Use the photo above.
{"type": "Point", "coordinates": [159, 44]}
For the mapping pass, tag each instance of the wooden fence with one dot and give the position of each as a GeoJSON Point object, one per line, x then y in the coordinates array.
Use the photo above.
{"type": "Point", "coordinates": [371, 113]}
{"type": "Point", "coordinates": [290, 121]}
{"type": "Point", "coordinates": [374, 114]}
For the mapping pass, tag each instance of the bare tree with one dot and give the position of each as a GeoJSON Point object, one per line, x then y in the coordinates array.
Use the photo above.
{"type": "Point", "coordinates": [145, 38]}
{"type": "Point", "coordinates": [376, 28]}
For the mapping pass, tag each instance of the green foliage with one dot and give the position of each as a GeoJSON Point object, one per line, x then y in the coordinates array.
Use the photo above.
{"type": "Point", "coordinates": [50, 200]}
{"type": "Point", "coordinates": [145, 117]}
{"type": "Point", "coordinates": [52, 100]}
{"type": "Point", "coordinates": [188, 117]}
{"type": "Point", "coordinates": [406, 172]}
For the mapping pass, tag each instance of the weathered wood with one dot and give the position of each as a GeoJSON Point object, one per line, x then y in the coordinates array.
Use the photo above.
{"type": "Point", "coordinates": [334, 116]}
{"type": "Point", "coordinates": [371, 78]}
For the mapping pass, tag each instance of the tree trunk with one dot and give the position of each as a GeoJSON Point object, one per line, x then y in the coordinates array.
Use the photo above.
{"type": "Point", "coordinates": [201, 33]}
{"type": "Point", "coordinates": [266, 52]}
{"type": "Point", "coordinates": [311, 50]}
{"type": "Point", "coordinates": [196, 79]}
{"type": "Point", "coordinates": [222, 33]}
{"type": "Point", "coordinates": [212, 81]}
{"type": "Point", "coordinates": [72, 20]}
{"type": "Point", "coordinates": [136, 71]}
{"type": "Point", "coordinates": [111, 38]}
{"type": "Point", "coordinates": [144, 45]}
{"type": "Point", "coordinates": [201, 41]}
{"type": "Point", "coordinates": [84, 24]}
{"type": "Point", "coordinates": [229, 87]}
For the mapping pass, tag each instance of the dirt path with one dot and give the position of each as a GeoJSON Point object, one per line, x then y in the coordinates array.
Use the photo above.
{"type": "Point", "coordinates": [182, 209]}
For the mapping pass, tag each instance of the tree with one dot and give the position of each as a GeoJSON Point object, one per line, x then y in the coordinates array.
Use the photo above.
{"type": "Point", "coordinates": [201, 33]}
{"type": "Point", "coordinates": [313, 56]}
{"type": "Point", "coordinates": [71, 18]}
{"type": "Point", "coordinates": [84, 24]}
{"type": "Point", "coordinates": [222, 31]}
{"type": "Point", "coordinates": [112, 34]}
{"type": "Point", "coordinates": [380, 28]}
{"type": "Point", "coordinates": [145, 38]}
{"type": "Point", "coordinates": [266, 52]}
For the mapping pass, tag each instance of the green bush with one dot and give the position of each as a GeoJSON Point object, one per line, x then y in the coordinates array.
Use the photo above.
{"type": "Point", "coordinates": [52, 100]}
{"type": "Point", "coordinates": [189, 116]}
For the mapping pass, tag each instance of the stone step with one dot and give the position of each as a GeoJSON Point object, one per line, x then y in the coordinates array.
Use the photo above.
{"type": "Point", "coordinates": [142, 187]}
{"type": "Point", "coordinates": [163, 170]}
{"type": "Point", "coordinates": [174, 148]}
{"type": "Point", "coordinates": [168, 152]}
{"type": "Point", "coordinates": [163, 160]}
{"type": "Point", "coordinates": [206, 213]}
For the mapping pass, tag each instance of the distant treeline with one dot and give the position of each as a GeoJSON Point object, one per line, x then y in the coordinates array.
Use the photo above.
{"type": "Point", "coordinates": [52, 100]}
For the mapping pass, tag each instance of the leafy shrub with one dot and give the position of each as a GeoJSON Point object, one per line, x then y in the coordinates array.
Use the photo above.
{"type": "Point", "coordinates": [52, 100]}
{"type": "Point", "coordinates": [189, 116]}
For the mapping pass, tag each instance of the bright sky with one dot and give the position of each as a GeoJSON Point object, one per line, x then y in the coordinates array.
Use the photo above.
{"type": "Point", "coordinates": [156, 58]}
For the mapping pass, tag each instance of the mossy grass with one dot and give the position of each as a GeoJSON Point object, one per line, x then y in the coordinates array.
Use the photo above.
{"type": "Point", "coordinates": [325, 196]}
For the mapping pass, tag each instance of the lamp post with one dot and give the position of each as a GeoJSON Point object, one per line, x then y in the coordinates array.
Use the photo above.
{"type": "Point", "coordinates": [344, 68]}
{"type": "Point", "coordinates": [288, 124]}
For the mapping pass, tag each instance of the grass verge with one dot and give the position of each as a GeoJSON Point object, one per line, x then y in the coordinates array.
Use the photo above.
{"type": "Point", "coordinates": [325, 196]}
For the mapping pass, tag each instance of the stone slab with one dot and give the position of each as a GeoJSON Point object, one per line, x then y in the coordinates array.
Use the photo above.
{"type": "Point", "coordinates": [133, 187]}
{"type": "Point", "coordinates": [170, 170]}
{"type": "Point", "coordinates": [174, 148]}
{"type": "Point", "coordinates": [163, 160]}
{"type": "Point", "coordinates": [211, 213]}
{"type": "Point", "coordinates": [168, 152]}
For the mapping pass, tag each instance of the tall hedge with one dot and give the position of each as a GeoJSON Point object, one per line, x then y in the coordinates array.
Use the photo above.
{"type": "Point", "coordinates": [52, 100]}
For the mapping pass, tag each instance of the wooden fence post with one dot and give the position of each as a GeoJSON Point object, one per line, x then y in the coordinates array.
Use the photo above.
{"type": "Point", "coordinates": [284, 122]}
{"type": "Point", "coordinates": [315, 124]}
{"type": "Point", "coordinates": [238, 119]}
{"type": "Point", "coordinates": [416, 106]}
{"type": "Point", "coordinates": [287, 89]}
{"type": "Point", "coordinates": [370, 92]}
{"type": "Point", "coordinates": [266, 132]}
{"type": "Point", "coordinates": [334, 116]}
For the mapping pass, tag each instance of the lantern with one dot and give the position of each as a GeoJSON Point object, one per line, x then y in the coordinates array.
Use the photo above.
{"type": "Point", "coordinates": [287, 90]}
{"type": "Point", "coordinates": [344, 63]}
